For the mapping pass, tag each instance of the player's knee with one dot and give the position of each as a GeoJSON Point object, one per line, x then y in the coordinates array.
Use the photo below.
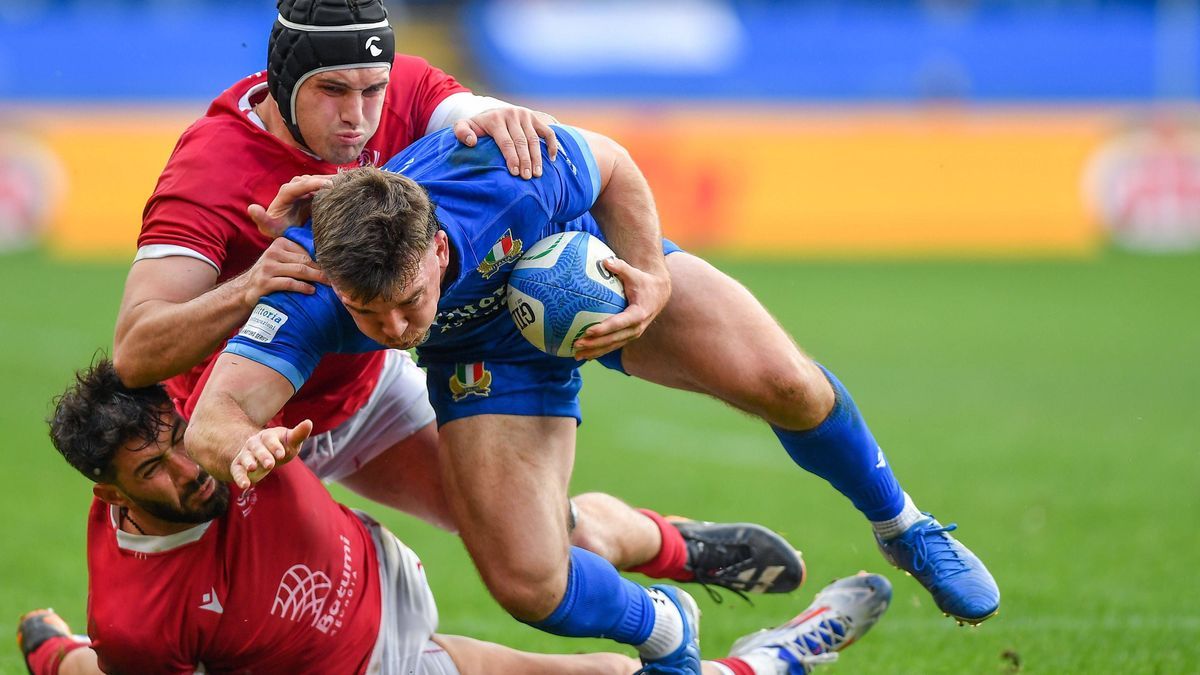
{"type": "Point", "coordinates": [794, 398]}
{"type": "Point", "coordinates": [587, 524]}
{"type": "Point", "coordinates": [588, 538]}
{"type": "Point", "coordinates": [528, 592]}
{"type": "Point", "coordinates": [528, 599]}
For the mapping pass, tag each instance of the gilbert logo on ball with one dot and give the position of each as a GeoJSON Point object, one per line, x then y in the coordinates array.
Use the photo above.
{"type": "Point", "coordinates": [560, 288]}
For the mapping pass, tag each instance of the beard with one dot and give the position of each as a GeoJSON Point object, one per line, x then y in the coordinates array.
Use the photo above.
{"type": "Point", "coordinates": [214, 507]}
{"type": "Point", "coordinates": [407, 342]}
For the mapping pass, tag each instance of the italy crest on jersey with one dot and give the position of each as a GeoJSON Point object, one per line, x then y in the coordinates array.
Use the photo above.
{"type": "Point", "coordinates": [470, 379]}
{"type": "Point", "coordinates": [504, 251]}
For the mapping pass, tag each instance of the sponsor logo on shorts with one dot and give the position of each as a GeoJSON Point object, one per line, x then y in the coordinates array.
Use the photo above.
{"type": "Point", "coordinates": [504, 251]}
{"type": "Point", "coordinates": [470, 379]}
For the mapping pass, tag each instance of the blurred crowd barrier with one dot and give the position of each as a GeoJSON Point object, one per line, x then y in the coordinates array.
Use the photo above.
{"type": "Point", "coordinates": [824, 128]}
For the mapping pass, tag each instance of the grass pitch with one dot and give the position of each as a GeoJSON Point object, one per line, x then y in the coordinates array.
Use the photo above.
{"type": "Point", "coordinates": [1048, 407]}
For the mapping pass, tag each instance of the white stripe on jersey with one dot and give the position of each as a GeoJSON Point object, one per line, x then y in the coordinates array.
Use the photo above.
{"type": "Point", "coordinates": [156, 251]}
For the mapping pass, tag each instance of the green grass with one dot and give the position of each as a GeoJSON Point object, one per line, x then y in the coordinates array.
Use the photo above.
{"type": "Point", "coordinates": [1048, 407]}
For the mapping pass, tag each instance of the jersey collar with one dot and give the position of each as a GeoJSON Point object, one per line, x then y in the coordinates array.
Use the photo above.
{"type": "Point", "coordinates": [147, 543]}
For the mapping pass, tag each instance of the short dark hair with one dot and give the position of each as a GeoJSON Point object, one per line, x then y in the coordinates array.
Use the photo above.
{"type": "Point", "coordinates": [371, 228]}
{"type": "Point", "coordinates": [97, 415]}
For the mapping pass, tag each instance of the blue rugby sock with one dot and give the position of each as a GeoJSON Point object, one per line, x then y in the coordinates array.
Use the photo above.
{"type": "Point", "coordinates": [599, 602]}
{"type": "Point", "coordinates": [842, 451]}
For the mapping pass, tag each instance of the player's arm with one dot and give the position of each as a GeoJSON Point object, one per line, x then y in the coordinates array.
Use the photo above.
{"type": "Point", "coordinates": [173, 313]}
{"type": "Point", "coordinates": [261, 368]}
{"type": "Point", "coordinates": [625, 211]}
{"type": "Point", "coordinates": [516, 130]}
{"type": "Point", "coordinates": [518, 133]}
{"type": "Point", "coordinates": [227, 434]}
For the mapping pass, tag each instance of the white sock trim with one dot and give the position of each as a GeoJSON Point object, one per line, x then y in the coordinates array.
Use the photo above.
{"type": "Point", "coordinates": [894, 527]}
{"type": "Point", "coordinates": [667, 634]}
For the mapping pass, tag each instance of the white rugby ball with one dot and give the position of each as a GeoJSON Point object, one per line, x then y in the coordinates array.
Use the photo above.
{"type": "Point", "coordinates": [560, 288]}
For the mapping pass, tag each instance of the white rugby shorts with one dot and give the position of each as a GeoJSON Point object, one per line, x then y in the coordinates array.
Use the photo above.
{"type": "Point", "coordinates": [397, 408]}
{"type": "Point", "coordinates": [409, 615]}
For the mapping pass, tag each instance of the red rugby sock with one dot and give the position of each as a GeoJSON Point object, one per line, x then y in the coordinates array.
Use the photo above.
{"type": "Point", "coordinates": [738, 666]}
{"type": "Point", "coordinates": [671, 558]}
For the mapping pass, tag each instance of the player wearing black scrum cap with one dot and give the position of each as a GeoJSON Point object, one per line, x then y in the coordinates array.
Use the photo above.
{"type": "Point", "coordinates": [314, 36]}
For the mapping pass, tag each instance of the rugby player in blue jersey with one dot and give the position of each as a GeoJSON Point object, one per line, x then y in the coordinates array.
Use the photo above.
{"type": "Point", "coordinates": [418, 255]}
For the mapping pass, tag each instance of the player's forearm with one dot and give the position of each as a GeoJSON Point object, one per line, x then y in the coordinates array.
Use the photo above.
{"type": "Point", "coordinates": [627, 215]}
{"type": "Point", "coordinates": [216, 432]}
{"type": "Point", "coordinates": [239, 399]}
{"type": "Point", "coordinates": [158, 339]}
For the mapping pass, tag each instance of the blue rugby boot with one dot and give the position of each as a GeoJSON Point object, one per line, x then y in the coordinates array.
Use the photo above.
{"type": "Point", "coordinates": [960, 584]}
{"type": "Point", "coordinates": [685, 660]}
{"type": "Point", "coordinates": [840, 614]}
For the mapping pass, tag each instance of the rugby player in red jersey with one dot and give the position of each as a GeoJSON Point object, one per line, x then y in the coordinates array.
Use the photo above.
{"type": "Point", "coordinates": [335, 95]}
{"type": "Point", "coordinates": [188, 575]}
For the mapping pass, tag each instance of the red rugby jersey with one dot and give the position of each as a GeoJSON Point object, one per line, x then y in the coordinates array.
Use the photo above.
{"type": "Point", "coordinates": [226, 161]}
{"type": "Point", "coordinates": [287, 581]}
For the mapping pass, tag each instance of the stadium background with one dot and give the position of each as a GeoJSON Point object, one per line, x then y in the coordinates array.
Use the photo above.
{"type": "Point", "coordinates": [983, 215]}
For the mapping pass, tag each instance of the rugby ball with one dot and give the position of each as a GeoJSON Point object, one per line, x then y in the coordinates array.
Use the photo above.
{"type": "Point", "coordinates": [560, 288]}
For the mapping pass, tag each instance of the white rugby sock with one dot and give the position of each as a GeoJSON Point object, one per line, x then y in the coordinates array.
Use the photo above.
{"type": "Point", "coordinates": [667, 634]}
{"type": "Point", "coordinates": [894, 527]}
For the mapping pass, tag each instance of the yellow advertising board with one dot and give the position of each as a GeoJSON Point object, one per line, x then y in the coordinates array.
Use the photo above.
{"type": "Point", "coordinates": [876, 182]}
{"type": "Point", "coordinates": [814, 182]}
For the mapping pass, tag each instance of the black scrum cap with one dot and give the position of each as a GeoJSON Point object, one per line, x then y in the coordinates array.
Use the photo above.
{"type": "Point", "coordinates": [313, 36]}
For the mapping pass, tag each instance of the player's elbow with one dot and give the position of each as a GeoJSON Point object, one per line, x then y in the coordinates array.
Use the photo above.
{"type": "Point", "coordinates": [131, 369]}
{"type": "Point", "coordinates": [608, 153]}
{"type": "Point", "coordinates": [196, 440]}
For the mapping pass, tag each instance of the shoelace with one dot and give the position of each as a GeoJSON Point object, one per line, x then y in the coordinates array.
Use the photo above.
{"type": "Point", "coordinates": [713, 555]}
{"type": "Point", "coordinates": [824, 637]}
{"type": "Point", "coordinates": [929, 548]}
{"type": "Point", "coordinates": [717, 598]}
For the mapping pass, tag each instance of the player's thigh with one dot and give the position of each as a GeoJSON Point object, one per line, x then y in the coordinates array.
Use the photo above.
{"type": "Point", "coordinates": [713, 337]}
{"type": "Point", "coordinates": [407, 477]}
{"type": "Point", "coordinates": [506, 477]}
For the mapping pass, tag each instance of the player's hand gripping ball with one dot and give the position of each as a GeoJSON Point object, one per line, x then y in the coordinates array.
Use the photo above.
{"type": "Point", "coordinates": [560, 287]}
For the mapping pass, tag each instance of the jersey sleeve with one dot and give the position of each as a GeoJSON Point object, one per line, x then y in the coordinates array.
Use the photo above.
{"type": "Point", "coordinates": [290, 332]}
{"type": "Point", "coordinates": [570, 184]}
{"type": "Point", "coordinates": [427, 87]}
{"type": "Point", "coordinates": [186, 214]}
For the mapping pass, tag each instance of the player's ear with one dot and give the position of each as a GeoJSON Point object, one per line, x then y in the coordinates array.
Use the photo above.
{"type": "Point", "coordinates": [441, 245]}
{"type": "Point", "coordinates": [109, 494]}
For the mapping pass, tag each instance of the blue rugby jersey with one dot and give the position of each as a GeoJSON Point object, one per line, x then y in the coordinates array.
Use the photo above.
{"type": "Point", "coordinates": [490, 218]}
